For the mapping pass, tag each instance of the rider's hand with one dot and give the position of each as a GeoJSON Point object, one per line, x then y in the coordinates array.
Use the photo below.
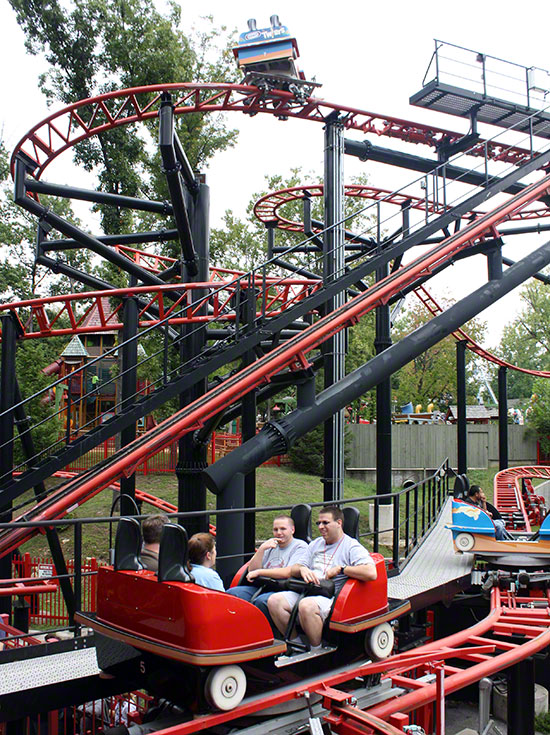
{"type": "Point", "coordinates": [252, 575]}
{"type": "Point", "coordinates": [332, 572]}
{"type": "Point", "coordinates": [271, 543]}
{"type": "Point", "coordinates": [308, 575]}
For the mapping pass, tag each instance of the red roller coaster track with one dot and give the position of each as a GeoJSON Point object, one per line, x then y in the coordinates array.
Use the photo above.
{"type": "Point", "coordinates": [267, 208]}
{"type": "Point", "coordinates": [292, 353]}
{"type": "Point", "coordinates": [48, 316]}
{"type": "Point", "coordinates": [479, 654]}
{"type": "Point", "coordinates": [473, 652]}
{"type": "Point", "coordinates": [86, 118]}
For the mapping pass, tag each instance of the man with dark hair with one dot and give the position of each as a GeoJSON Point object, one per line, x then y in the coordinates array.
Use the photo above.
{"type": "Point", "coordinates": [334, 555]}
{"type": "Point", "coordinates": [476, 496]}
{"type": "Point", "coordinates": [274, 558]}
{"type": "Point", "coordinates": [152, 531]}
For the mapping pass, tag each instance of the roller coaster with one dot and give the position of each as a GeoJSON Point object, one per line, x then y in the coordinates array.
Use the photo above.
{"type": "Point", "coordinates": [278, 329]}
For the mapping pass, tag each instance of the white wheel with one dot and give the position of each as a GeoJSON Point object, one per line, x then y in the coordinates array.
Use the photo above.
{"type": "Point", "coordinates": [225, 687]}
{"type": "Point", "coordinates": [464, 542]}
{"type": "Point", "coordinates": [379, 641]}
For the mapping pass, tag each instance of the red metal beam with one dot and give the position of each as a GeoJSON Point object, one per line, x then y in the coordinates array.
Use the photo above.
{"type": "Point", "coordinates": [195, 414]}
{"type": "Point", "coordinates": [87, 118]}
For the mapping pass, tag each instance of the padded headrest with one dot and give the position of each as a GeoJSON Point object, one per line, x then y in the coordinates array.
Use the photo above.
{"type": "Point", "coordinates": [351, 521]}
{"type": "Point", "coordinates": [301, 515]}
{"type": "Point", "coordinates": [127, 545]}
{"type": "Point", "coordinates": [173, 555]}
{"type": "Point", "coordinates": [461, 487]}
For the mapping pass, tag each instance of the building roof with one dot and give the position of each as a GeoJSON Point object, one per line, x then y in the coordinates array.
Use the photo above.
{"type": "Point", "coordinates": [477, 412]}
{"type": "Point", "coordinates": [93, 319]}
{"type": "Point", "coordinates": [75, 348]}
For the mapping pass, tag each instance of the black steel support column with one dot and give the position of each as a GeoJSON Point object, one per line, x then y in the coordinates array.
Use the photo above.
{"type": "Point", "coordinates": [7, 401]}
{"type": "Point", "coordinates": [192, 456]}
{"type": "Point", "coordinates": [521, 698]}
{"type": "Point", "coordinates": [502, 419]}
{"type": "Point", "coordinates": [23, 423]}
{"type": "Point", "coordinates": [230, 529]}
{"type": "Point", "coordinates": [383, 400]}
{"type": "Point", "coordinates": [128, 389]}
{"type": "Point", "coordinates": [333, 267]}
{"type": "Point", "coordinates": [462, 427]}
{"type": "Point", "coordinates": [267, 442]}
{"type": "Point", "coordinates": [248, 430]}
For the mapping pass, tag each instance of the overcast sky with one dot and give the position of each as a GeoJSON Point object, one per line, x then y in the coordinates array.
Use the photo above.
{"type": "Point", "coordinates": [367, 55]}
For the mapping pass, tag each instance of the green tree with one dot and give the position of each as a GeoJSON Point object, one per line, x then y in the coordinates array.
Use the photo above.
{"type": "Point", "coordinates": [20, 276]}
{"type": "Point", "coordinates": [95, 46]}
{"type": "Point", "coordinates": [538, 413]}
{"type": "Point", "coordinates": [526, 340]}
{"type": "Point", "coordinates": [32, 357]}
{"type": "Point", "coordinates": [432, 375]}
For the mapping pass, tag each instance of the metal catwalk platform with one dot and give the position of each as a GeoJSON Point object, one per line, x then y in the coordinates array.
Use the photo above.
{"type": "Point", "coordinates": [38, 678]}
{"type": "Point", "coordinates": [435, 572]}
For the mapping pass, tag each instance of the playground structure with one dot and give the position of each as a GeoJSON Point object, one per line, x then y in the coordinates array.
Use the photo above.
{"type": "Point", "coordinates": [282, 329]}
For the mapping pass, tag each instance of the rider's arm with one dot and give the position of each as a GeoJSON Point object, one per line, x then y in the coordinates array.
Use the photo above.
{"type": "Point", "coordinates": [296, 570]}
{"type": "Point", "coordinates": [257, 559]}
{"type": "Point", "coordinates": [275, 573]}
{"type": "Point", "coordinates": [363, 572]}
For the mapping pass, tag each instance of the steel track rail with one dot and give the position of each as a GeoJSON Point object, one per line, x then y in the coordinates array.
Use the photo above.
{"type": "Point", "coordinates": [292, 354]}
{"type": "Point", "coordinates": [84, 119]}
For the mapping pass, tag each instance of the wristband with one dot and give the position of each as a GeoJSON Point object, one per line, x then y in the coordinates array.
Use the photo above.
{"type": "Point", "coordinates": [342, 570]}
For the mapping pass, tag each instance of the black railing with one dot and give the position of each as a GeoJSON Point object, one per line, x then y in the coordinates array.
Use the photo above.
{"type": "Point", "coordinates": [415, 510]}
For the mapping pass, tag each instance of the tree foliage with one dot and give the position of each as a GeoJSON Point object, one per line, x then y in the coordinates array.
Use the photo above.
{"type": "Point", "coordinates": [20, 277]}
{"type": "Point", "coordinates": [431, 377]}
{"type": "Point", "coordinates": [538, 413]}
{"type": "Point", "coordinates": [95, 46]}
{"type": "Point", "coordinates": [526, 340]}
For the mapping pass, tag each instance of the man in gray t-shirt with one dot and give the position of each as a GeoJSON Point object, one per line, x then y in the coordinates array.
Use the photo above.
{"type": "Point", "coordinates": [274, 558]}
{"type": "Point", "coordinates": [332, 556]}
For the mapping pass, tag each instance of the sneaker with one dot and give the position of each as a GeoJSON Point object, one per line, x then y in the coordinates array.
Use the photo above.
{"type": "Point", "coordinates": [316, 649]}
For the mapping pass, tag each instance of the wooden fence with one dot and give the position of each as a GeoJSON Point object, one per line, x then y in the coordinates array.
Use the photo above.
{"type": "Point", "coordinates": [425, 445]}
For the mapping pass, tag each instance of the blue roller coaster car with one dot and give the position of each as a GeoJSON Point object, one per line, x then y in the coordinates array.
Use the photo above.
{"type": "Point", "coordinates": [268, 50]}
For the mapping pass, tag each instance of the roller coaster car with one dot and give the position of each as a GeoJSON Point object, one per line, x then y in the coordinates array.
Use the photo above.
{"type": "Point", "coordinates": [267, 57]}
{"type": "Point", "coordinates": [474, 531]}
{"type": "Point", "coordinates": [149, 626]}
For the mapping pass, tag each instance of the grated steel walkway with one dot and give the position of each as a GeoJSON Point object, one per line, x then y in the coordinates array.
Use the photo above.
{"type": "Point", "coordinates": [464, 102]}
{"type": "Point", "coordinates": [47, 670]}
{"type": "Point", "coordinates": [435, 572]}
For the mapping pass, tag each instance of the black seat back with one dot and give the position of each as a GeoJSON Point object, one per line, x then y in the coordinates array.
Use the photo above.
{"type": "Point", "coordinates": [127, 545]}
{"type": "Point", "coordinates": [301, 515]}
{"type": "Point", "coordinates": [351, 521]}
{"type": "Point", "coordinates": [173, 555]}
{"type": "Point", "coordinates": [461, 487]}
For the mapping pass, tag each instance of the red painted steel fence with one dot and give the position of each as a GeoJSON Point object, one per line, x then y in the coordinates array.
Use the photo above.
{"type": "Point", "coordinates": [49, 608]}
{"type": "Point", "coordinates": [165, 461]}
{"type": "Point", "coordinates": [90, 718]}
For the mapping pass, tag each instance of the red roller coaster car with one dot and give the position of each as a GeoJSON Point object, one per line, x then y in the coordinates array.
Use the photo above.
{"type": "Point", "coordinates": [202, 647]}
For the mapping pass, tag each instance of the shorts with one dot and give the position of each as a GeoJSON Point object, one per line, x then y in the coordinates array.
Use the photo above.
{"type": "Point", "coordinates": [324, 603]}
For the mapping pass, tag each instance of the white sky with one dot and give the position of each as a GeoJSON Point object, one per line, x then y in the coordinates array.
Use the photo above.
{"type": "Point", "coordinates": [368, 55]}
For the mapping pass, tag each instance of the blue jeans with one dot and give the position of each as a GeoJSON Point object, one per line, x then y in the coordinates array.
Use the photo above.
{"type": "Point", "coordinates": [247, 592]}
{"type": "Point", "coordinates": [501, 532]}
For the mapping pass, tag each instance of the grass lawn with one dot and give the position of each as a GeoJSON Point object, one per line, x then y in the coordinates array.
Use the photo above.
{"type": "Point", "coordinates": [275, 486]}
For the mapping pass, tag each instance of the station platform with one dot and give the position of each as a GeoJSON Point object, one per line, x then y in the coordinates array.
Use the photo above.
{"type": "Point", "coordinates": [452, 100]}
{"type": "Point", "coordinates": [435, 572]}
